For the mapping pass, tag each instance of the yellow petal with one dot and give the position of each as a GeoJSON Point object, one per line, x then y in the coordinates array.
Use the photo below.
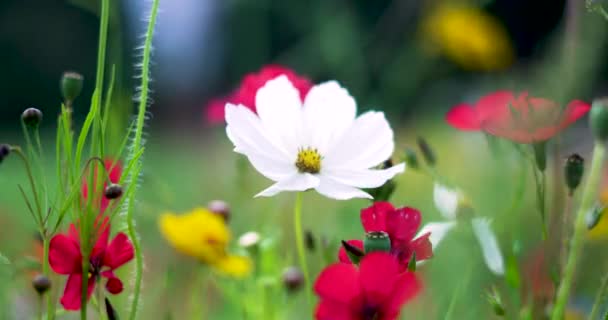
{"type": "Point", "coordinates": [235, 266]}
{"type": "Point", "coordinates": [200, 234]}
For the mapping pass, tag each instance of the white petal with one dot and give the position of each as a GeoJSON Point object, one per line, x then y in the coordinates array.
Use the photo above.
{"type": "Point", "coordinates": [329, 110]}
{"type": "Point", "coordinates": [438, 231]}
{"type": "Point", "coordinates": [271, 168]}
{"type": "Point", "coordinates": [489, 245]}
{"type": "Point", "coordinates": [247, 133]}
{"type": "Point", "coordinates": [367, 143]}
{"type": "Point", "coordinates": [279, 107]}
{"type": "Point", "coordinates": [295, 182]}
{"type": "Point", "coordinates": [335, 190]}
{"type": "Point", "coordinates": [366, 178]}
{"type": "Point", "coordinates": [446, 200]}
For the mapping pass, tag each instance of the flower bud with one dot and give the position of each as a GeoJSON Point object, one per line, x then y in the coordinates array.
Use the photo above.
{"type": "Point", "coordinates": [309, 240]}
{"type": "Point", "coordinates": [249, 239]}
{"type": "Point", "coordinates": [427, 152]}
{"type": "Point", "coordinates": [354, 254]}
{"type": "Point", "coordinates": [31, 117]}
{"type": "Point", "coordinates": [593, 216]}
{"type": "Point", "coordinates": [411, 159]}
{"type": "Point", "coordinates": [598, 119]}
{"type": "Point", "coordinates": [221, 208]}
{"type": "Point", "coordinates": [5, 150]}
{"type": "Point", "coordinates": [71, 85]}
{"type": "Point", "coordinates": [113, 191]}
{"type": "Point", "coordinates": [377, 241]}
{"type": "Point", "coordinates": [41, 284]}
{"type": "Point", "coordinates": [573, 171]}
{"type": "Point", "coordinates": [293, 279]}
{"type": "Point", "coordinates": [496, 301]}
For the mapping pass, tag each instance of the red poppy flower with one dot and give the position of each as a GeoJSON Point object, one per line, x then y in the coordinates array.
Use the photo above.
{"type": "Point", "coordinates": [114, 170]}
{"type": "Point", "coordinates": [522, 118]}
{"type": "Point", "coordinates": [401, 225]}
{"type": "Point", "coordinates": [376, 290]}
{"type": "Point", "coordinates": [65, 258]}
{"type": "Point", "coordinates": [245, 93]}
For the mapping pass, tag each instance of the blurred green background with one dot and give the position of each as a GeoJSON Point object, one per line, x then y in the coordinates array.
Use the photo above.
{"type": "Point", "coordinates": [402, 57]}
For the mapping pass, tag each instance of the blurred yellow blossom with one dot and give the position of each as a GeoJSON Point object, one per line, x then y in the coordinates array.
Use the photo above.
{"type": "Point", "coordinates": [469, 37]}
{"type": "Point", "coordinates": [203, 235]}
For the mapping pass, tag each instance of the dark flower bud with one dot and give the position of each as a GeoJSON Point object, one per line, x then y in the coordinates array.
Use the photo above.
{"type": "Point", "coordinates": [41, 284]}
{"type": "Point", "coordinates": [293, 279]}
{"type": "Point", "coordinates": [540, 155]}
{"type": "Point", "coordinates": [377, 241]}
{"type": "Point", "coordinates": [110, 311]}
{"type": "Point", "coordinates": [71, 85]}
{"type": "Point", "coordinates": [411, 159]}
{"type": "Point", "coordinates": [31, 117]}
{"type": "Point", "coordinates": [573, 171]}
{"type": "Point", "coordinates": [114, 286]}
{"type": "Point", "coordinates": [427, 152]}
{"type": "Point", "coordinates": [593, 216]}
{"type": "Point", "coordinates": [5, 150]}
{"type": "Point", "coordinates": [354, 254]}
{"type": "Point", "coordinates": [309, 240]}
{"type": "Point", "coordinates": [221, 208]}
{"type": "Point", "coordinates": [113, 191]}
{"type": "Point", "coordinates": [598, 119]}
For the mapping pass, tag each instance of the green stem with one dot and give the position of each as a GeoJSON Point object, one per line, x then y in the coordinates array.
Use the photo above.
{"type": "Point", "coordinates": [50, 306]}
{"type": "Point", "coordinates": [602, 292]}
{"type": "Point", "coordinates": [297, 223]}
{"type": "Point", "coordinates": [576, 242]}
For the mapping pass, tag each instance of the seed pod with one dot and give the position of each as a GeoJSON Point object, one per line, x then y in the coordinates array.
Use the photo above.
{"type": "Point", "coordinates": [427, 152]}
{"type": "Point", "coordinates": [41, 284]}
{"type": "Point", "coordinates": [293, 279]}
{"type": "Point", "coordinates": [31, 117]}
{"type": "Point", "coordinates": [5, 150]}
{"type": "Point", "coordinates": [71, 85]}
{"type": "Point", "coordinates": [113, 191]}
{"type": "Point", "coordinates": [377, 241]}
{"type": "Point", "coordinates": [221, 208]}
{"type": "Point", "coordinates": [573, 171]}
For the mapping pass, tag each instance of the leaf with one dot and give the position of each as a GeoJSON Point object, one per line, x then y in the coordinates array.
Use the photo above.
{"type": "Point", "coordinates": [4, 259]}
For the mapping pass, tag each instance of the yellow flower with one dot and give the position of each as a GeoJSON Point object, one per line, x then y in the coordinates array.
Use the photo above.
{"type": "Point", "coordinates": [600, 231]}
{"type": "Point", "coordinates": [469, 37]}
{"type": "Point", "coordinates": [203, 235]}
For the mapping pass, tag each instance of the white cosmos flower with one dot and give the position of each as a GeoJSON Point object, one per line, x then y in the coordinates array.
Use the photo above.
{"type": "Point", "coordinates": [447, 202]}
{"type": "Point", "coordinates": [318, 144]}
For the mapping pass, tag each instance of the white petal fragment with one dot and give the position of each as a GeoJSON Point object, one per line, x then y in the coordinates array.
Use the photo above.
{"type": "Point", "coordinates": [279, 107]}
{"type": "Point", "coordinates": [446, 200]}
{"type": "Point", "coordinates": [367, 178]}
{"type": "Point", "coordinates": [438, 231]}
{"type": "Point", "coordinates": [295, 182]}
{"type": "Point", "coordinates": [339, 191]}
{"type": "Point", "coordinates": [489, 245]}
{"type": "Point", "coordinates": [329, 110]}
{"type": "Point", "coordinates": [366, 144]}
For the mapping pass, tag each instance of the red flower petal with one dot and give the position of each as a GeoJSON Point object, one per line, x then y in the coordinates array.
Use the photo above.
{"type": "Point", "coordinates": [113, 285]}
{"type": "Point", "coordinates": [64, 255]}
{"type": "Point", "coordinates": [463, 117]}
{"type": "Point", "coordinates": [402, 224]}
{"type": "Point", "coordinates": [378, 271]}
{"type": "Point", "coordinates": [339, 283]}
{"type": "Point", "coordinates": [495, 105]}
{"type": "Point", "coordinates": [119, 252]}
{"type": "Point", "coordinates": [72, 292]}
{"type": "Point", "coordinates": [423, 247]}
{"type": "Point", "coordinates": [343, 256]}
{"type": "Point", "coordinates": [574, 111]}
{"type": "Point", "coordinates": [102, 232]}
{"type": "Point", "coordinates": [215, 110]}
{"type": "Point", "coordinates": [373, 218]}
{"type": "Point", "coordinates": [405, 288]}
{"type": "Point", "coordinates": [331, 310]}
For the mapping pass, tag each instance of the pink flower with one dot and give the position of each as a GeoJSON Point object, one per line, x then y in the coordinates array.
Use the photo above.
{"type": "Point", "coordinates": [65, 258]}
{"type": "Point", "coordinates": [114, 169]}
{"type": "Point", "coordinates": [401, 224]}
{"type": "Point", "coordinates": [522, 118]}
{"type": "Point", "coordinates": [246, 92]}
{"type": "Point", "coordinates": [375, 290]}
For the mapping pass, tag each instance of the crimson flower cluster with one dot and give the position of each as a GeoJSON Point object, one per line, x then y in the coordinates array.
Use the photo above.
{"type": "Point", "coordinates": [519, 118]}
{"type": "Point", "coordinates": [245, 93]}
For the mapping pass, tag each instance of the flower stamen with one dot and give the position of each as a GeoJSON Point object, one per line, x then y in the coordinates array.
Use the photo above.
{"type": "Point", "coordinates": [309, 160]}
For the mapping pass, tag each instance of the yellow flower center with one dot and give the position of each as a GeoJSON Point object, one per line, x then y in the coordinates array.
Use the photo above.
{"type": "Point", "coordinates": [309, 161]}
